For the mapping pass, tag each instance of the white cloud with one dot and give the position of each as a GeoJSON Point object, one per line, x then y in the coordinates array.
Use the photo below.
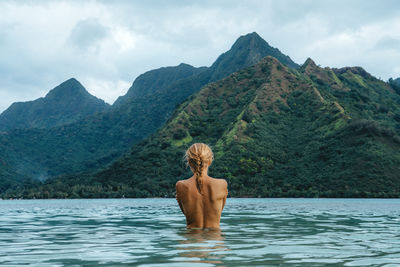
{"type": "Point", "coordinates": [106, 89]}
{"type": "Point", "coordinates": [370, 46]}
{"type": "Point", "coordinates": [124, 38]}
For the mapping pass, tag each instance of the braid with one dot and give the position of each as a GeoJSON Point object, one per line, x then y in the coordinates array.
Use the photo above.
{"type": "Point", "coordinates": [199, 156]}
{"type": "Point", "coordinates": [199, 180]}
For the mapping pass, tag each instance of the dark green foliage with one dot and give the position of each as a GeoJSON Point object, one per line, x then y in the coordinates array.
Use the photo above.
{"type": "Point", "coordinates": [270, 139]}
{"type": "Point", "coordinates": [179, 134]}
{"type": "Point", "coordinates": [395, 83]}
{"type": "Point", "coordinates": [372, 128]}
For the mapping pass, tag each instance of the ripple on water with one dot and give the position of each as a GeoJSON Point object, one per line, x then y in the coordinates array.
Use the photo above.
{"type": "Point", "coordinates": [151, 232]}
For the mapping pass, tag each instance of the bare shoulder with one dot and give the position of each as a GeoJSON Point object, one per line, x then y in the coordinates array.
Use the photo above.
{"type": "Point", "coordinates": [180, 190]}
{"type": "Point", "coordinates": [182, 184]}
{"type": "Point", "coordinates": [219, 182]}
{"type": "Point", "coordinates": [220, 187]}
{"type": "Point", "coordinates": [179, 183]}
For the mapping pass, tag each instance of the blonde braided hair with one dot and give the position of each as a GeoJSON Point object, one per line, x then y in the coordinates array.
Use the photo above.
{"type": "Point", "coordinates": [198, 156]}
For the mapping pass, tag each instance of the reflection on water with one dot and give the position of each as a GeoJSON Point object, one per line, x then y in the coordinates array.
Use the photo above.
{"type": "Point", "coordinates": [200, 246]}
{"type": "Point", "coordinates": [151, 232]}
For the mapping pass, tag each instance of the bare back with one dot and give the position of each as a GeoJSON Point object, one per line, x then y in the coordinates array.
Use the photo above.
{"type": "Point", "coordinates": [202, 210]}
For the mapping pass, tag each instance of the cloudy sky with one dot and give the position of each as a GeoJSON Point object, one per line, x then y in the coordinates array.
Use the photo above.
{"type": "Point", "coordinates": [107, 44]}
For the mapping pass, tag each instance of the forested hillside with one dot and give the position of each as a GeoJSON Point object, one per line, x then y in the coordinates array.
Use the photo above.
{"type": "Point", "coordinates": [97, 140]}
{"type": "Point", "coordinates": [275, 131]}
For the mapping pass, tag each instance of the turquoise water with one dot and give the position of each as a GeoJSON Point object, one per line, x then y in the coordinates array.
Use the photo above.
{"type": "Point", "coordinates": [151, 232]}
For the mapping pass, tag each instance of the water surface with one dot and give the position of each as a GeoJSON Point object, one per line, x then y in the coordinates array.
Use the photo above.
{"type": "Point", "coordinates": [151, 232]}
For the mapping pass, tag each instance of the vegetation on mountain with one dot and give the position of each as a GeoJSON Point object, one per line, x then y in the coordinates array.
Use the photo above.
{"type": "Point", "coordinates": [275, 131]}
{"type": "Point", "coordinates": [65, 104]}
{"type": "Point", "coordinates": [95, 141]}
{"type": "Point", "coordinates": [156, 81]}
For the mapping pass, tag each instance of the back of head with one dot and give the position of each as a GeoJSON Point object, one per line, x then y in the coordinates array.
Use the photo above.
{"type": "Point", "coordinates": [198, 157]}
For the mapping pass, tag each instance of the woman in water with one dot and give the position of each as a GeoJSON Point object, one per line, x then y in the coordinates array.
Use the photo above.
{"type": "Point", "coordinates": [201, 198]}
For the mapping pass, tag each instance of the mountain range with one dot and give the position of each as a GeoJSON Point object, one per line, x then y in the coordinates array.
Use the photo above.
{"type": "Point", "coordinates": [276, 128]}
{"type": "Point", "coordinates": [94, 141]}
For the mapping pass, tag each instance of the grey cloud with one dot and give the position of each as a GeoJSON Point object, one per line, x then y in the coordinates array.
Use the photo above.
{"type": "Point", "coordinates": [87, 34]}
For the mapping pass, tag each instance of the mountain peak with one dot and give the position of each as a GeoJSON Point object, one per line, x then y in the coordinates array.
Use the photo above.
{"type": "Point", "coordinates": [70, 87]}
{"type": "Point", "coordinates": [246, 51]}
{"type": "Point", "coordinates": [309, 66]}
{"type": "Point", "coordinates": [71, 80]}
{"type": "Point", "coordinates": [249, 40]}
{"type": "Point", "coordinates": [66, 103]}
{"type": "Point", "coordinates": [309, 62]}
{"type": "Point", "coordinates": [184, 65]}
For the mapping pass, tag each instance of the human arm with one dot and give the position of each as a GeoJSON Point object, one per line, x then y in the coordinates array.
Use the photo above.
{"type": "Point", "coordinates": [226, 193]}
{"type": "Point", "coordinates": [177, 195]}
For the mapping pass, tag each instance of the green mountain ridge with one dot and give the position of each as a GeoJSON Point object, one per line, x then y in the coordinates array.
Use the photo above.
{"type": "Point", "coordinates": [275, 131]}
{"type": "Point", "coordinates": [152, 82]}
{"type": "Point", "coordinates": [65, 104]}
{"type": "Point", "coordinates": [246, 51]}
